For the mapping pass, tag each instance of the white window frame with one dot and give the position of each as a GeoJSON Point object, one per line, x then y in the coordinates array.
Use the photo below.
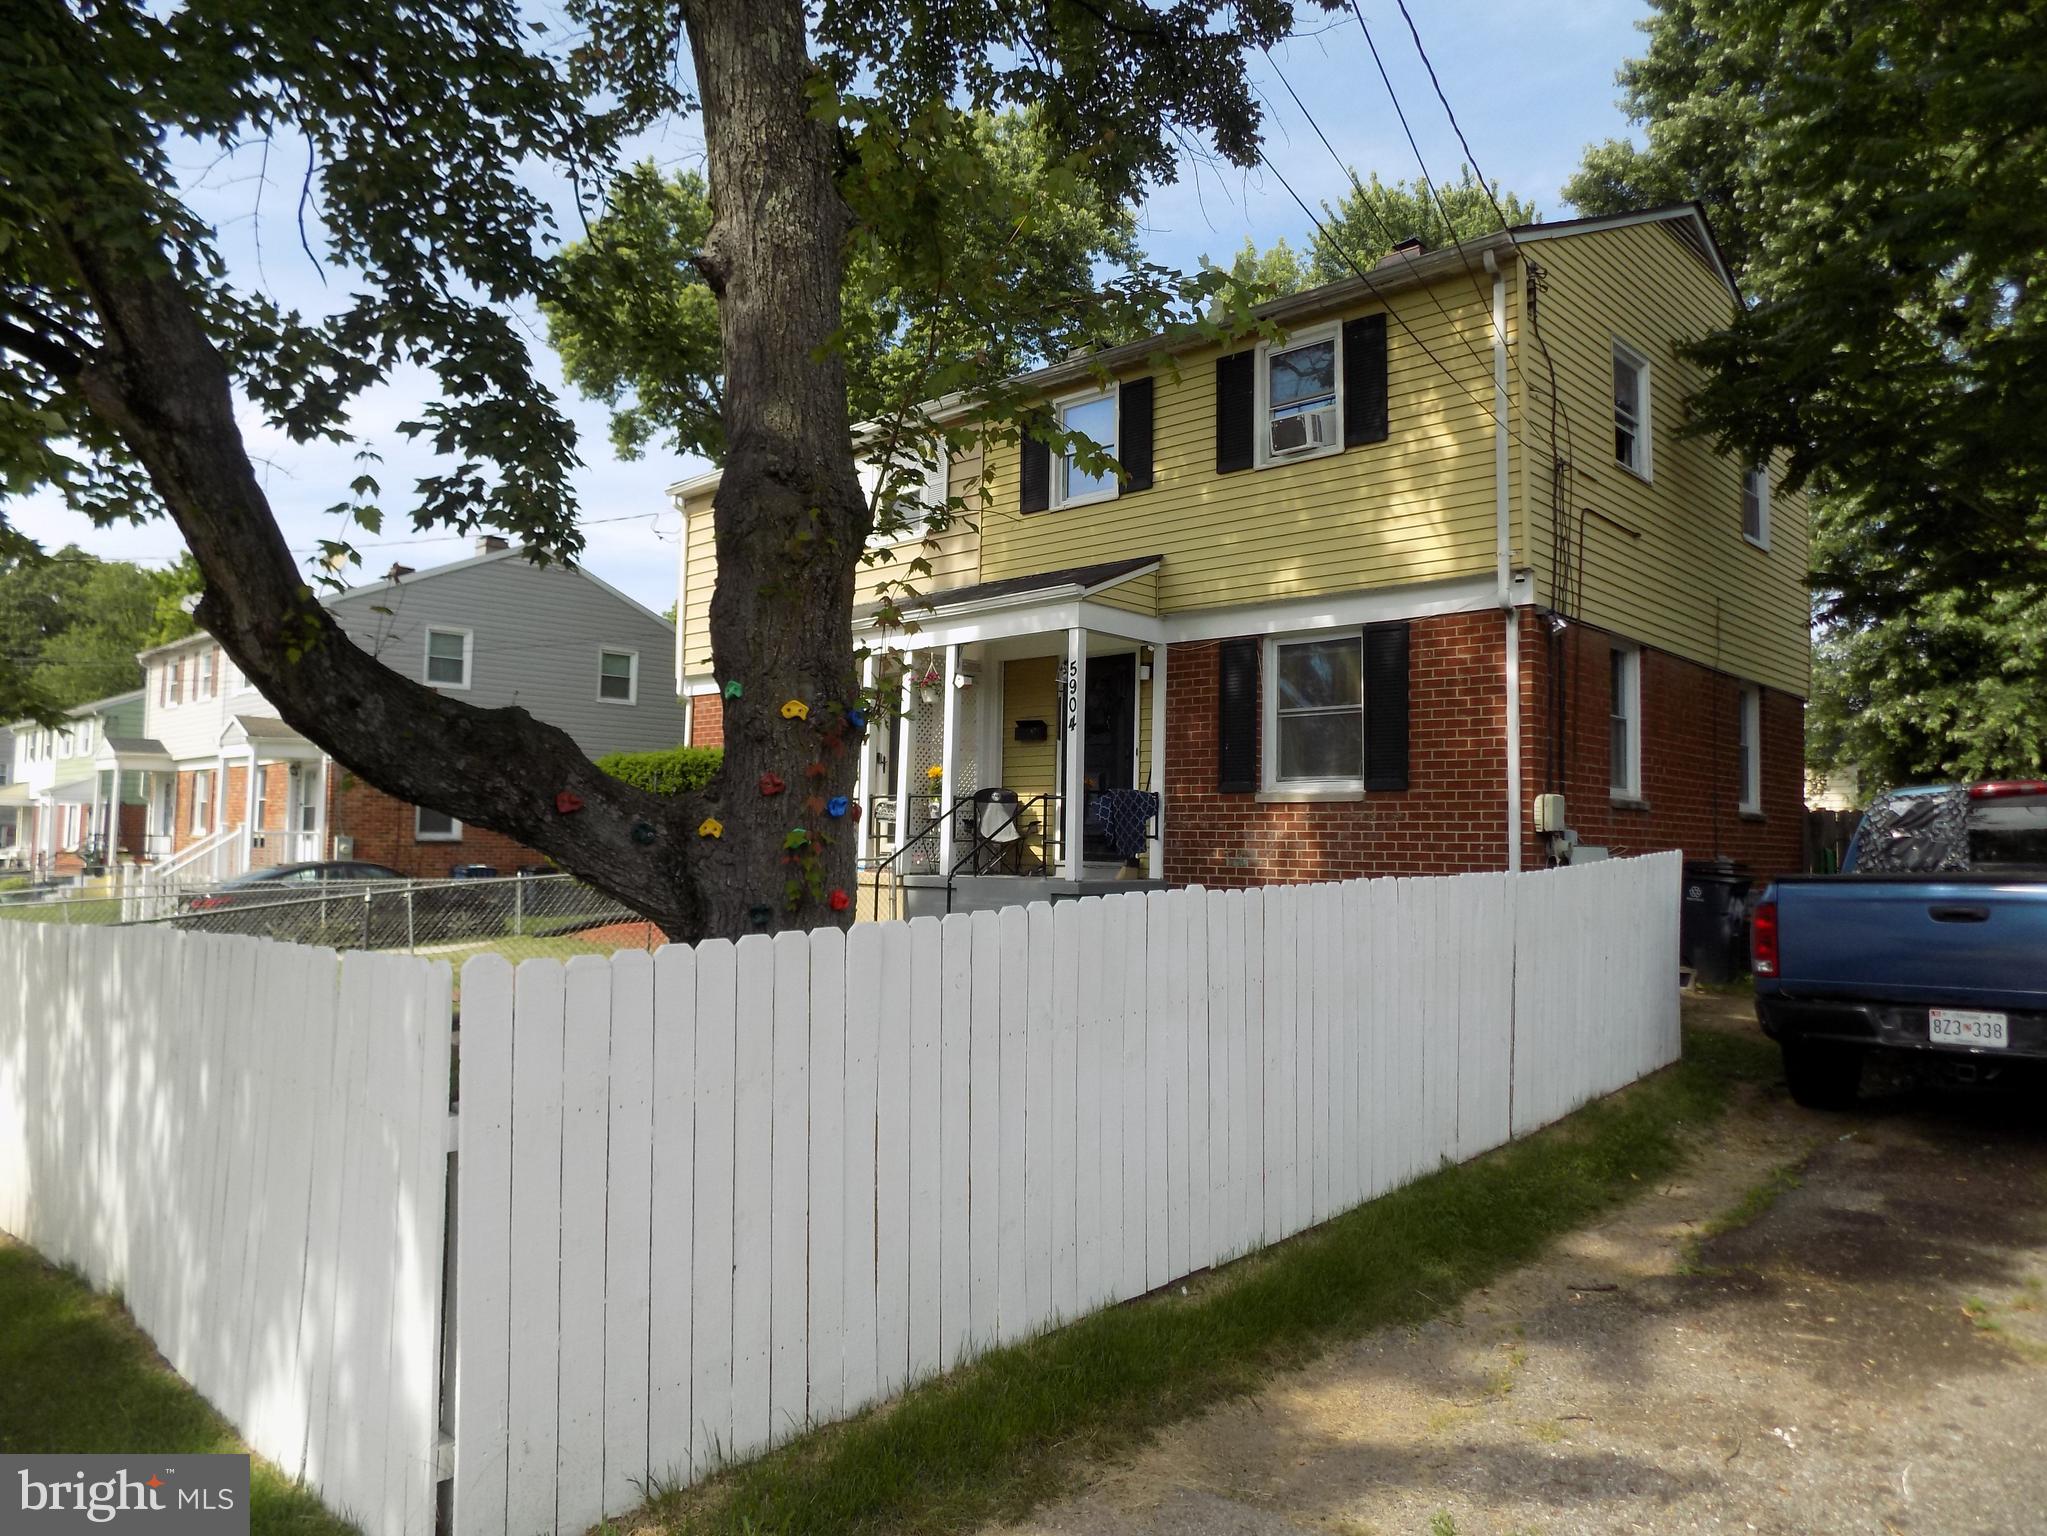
{"type": "Point", "coordinates": [1058, 499]}
{"type": "Point", "coordinates": [1307, 336]}
{"type": "Point", "coordinates": [933, 498]}
{"type": "Point", "coordinates": [174, 684]}
{"type": "Point", "coordinates": [1645, 436]}
{"type": "Point", "coordinates": [1749, 742]}
{"type": "Point", "coordinates": [1268, 734]}
{"type": "Point", "coordinates": [632, 677]}
{"type": "Point", "coordinates": [426, 654]}
{"type": "Point", "coordinates": [202, 801]}
{"type": "Point", "coordinates": [1757, 476]}
{"type": "Point", "coordinates": [1629, 788]}
{"type": "Point", "coordinates": [421, 835]}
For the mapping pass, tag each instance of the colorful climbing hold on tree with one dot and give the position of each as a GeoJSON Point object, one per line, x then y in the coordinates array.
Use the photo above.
{"type": "Point", "coordinates": [643, 832]}
{"type": "Point", "coordinates": [710, 826]}
{"type": "Point", "coordinates": [857, 718]}
{"type": "Point", "coordinates": [733, 689]}
{"type": "Point", "coordinates": [837, 806]}
{"type": "Point", "coordinates": [761, 914]}
{"type": "Point", "coordinates": [568, 802]}
{"type": "Point", "coordinates": [796, 839]}
{"type": "Point", "coordinates": [840, 901]}
{"type": "Point", "coordinates": [771, 784]}
{"type": "Point", "coordinates": [795, 709]}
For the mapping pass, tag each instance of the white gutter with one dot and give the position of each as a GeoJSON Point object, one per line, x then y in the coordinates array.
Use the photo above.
{"type": "Point", "coordinates": [1503, 554]}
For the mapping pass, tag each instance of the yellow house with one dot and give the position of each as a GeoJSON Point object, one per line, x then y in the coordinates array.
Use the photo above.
{"type": "Point", "coordinates": [1428, 580]}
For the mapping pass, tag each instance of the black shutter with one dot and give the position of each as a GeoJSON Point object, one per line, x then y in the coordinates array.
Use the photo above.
{"type": "Point", "coordinates": [1364, 381]}
{"type": "Point", "coordinates": [1236, 726]}
{"type": "Point", "coordinates": [1034, 477]}
{"type": "Point", "coordinates": [1235, 404]}
{"type": "Point", "coordinates": [1386, 711]}
{"type": "Point", "coordinates": [1133, 433]}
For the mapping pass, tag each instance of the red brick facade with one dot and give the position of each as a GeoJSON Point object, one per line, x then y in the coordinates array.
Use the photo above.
{"type": "Point", "coordinates": [1450, 818]}
{"type": "Point", "coordinates": [706, 720]}
{"type": "Point", "coordinates": [385, 831]}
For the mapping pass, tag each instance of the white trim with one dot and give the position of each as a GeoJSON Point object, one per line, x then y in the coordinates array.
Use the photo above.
{"type": "Point", "coordinates": [1749, 742]}
{"type": "Point", "coordinates": [1629, 789]}
{"type": "Point", "coordinates": [1058, 500]}
{"type": "Point", "coordinates": [426, 657]}
{"type": "Point", "coordinates": [1270, 784]}
{"type": "Point", "coordinates": [1532, 234]}
{"type": "Point", "coordinates": [1367, 605]}
{"type": "Point", "coordinates": [1761, 475]}
{"type": "Point", "coordinates": [696, 687]}
{"type": "Point", "coordinates": [1073, 759]}
{"type": "Point", "coordinates": [1645, 416]}
{"type": "Point", "coordinates": [453, 835]}
{"type": "Point", "coordinates": [632, 656]}
{"type": "Point", "coordinates": [1261, 449]}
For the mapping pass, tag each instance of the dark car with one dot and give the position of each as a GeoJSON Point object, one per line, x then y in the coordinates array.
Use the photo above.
{"type": "Point", "coordinates": [289, 901]}
{"type": "Point", "coordinates": [1929, 949]}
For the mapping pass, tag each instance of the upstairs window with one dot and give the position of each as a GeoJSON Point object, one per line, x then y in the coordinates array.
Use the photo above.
{"type": "Point", "coordinates": [618, 676]}
{"type": "Point", "coordinates": [175, 683]}
{"type": "Point", "coordinates": [1624, 723]}
{"type": "Point", "coordinates": [447, 658]}
{"type": "Point", "coordinates": [1755, 507]}
{"type": "Point", "coordinates": [1630, 409]}
{"type": "Point", "coordinates": [1301, 418]}
{"type": "Point", "coordinates": [1093, 417]}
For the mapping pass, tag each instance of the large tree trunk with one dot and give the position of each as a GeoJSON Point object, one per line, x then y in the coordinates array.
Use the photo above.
{"type": "Point", "coordinates": [789, 514]}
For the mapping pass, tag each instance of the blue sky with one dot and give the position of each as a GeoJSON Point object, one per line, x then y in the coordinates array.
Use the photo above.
{"type": "Point", "coordinates": [1531, 85]}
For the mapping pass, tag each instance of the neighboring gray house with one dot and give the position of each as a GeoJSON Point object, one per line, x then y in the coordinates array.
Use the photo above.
{"type": "Point", "coordinates": [230, 786]}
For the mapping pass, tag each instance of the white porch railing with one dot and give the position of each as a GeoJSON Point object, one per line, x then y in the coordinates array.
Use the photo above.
{"type": "Point", "coordinates": [220, 856]}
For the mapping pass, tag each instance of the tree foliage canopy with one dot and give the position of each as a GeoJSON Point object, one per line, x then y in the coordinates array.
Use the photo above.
{"type": "Point", "coordinates": [1875, 166]}
{"type": "Point", "coordinates": [70, 625]}
{"type": "Point", "coordinates": [1021, 230]}
{"type": "Point", "coordinates": [1371, 219]}
{"type": "Point", "coordinates": [841, 148]}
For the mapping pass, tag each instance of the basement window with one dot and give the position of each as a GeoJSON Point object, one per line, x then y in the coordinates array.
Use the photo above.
{"type": "Point", "coordinates": [435, 826]}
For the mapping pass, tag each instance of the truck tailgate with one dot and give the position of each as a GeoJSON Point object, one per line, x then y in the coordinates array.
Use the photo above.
{"type": "Point", "coordinates": [1914, 939]}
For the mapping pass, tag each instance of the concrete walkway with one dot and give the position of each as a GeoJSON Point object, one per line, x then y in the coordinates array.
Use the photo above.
{"type": "Point", "coordinates": [1867, 1353]}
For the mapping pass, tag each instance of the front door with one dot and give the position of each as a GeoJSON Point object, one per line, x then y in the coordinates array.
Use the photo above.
{"type": "Point", "coordinates": [1109, 748]}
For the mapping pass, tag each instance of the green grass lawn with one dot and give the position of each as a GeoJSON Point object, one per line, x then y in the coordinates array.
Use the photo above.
{"type": "Point", "coordinates": [77, 1375]}
{"type": "Point", "coordinates": [991, 1440]}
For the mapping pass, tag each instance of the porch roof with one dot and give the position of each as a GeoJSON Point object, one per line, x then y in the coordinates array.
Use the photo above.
{"type": "Point", "coordinates": [1073, 581]}
{"type": "Point", "coordinates": [267, 737]}
{"type": "Point", "coordinates": [132, 753]}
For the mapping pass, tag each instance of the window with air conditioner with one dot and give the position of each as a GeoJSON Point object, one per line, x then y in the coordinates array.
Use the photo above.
{"type": "Point", "coordinates": [1299, 399]}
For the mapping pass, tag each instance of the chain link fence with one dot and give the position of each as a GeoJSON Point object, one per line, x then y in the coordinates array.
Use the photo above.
{"type": "Point", "coordinates": [520, 917]}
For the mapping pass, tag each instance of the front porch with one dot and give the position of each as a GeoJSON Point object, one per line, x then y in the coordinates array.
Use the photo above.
{"type": "Point", "coordinates": [1024, 755]}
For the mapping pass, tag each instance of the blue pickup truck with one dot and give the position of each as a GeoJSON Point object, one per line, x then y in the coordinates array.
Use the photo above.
{"type": "Point", "coordinates": [1930, 946]}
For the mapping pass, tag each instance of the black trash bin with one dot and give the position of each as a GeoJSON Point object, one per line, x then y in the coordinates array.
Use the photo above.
{"type": "Point", "coordinates": [1713, 922]}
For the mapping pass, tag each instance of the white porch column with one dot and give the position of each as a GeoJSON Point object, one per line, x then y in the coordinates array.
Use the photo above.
{"type": "Point", "coordinates": [1155, 864]}
{"type": "Point", "coordinates": [1074, 807]}
{"type": "Point", "coordinates": [865, 790]}
{"type": "Point", "coordinates": [250, 804]}
{"type": "Point", "coordinates": [92, 824]}
{"type": "Point", "coordinates": [948, 742]}
{"type": "Point", "coordinates": [320, 808]}
{"type": "Point", "coordinates": [902, 766]}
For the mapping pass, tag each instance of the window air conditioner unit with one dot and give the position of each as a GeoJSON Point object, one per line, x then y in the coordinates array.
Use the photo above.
{"type": "Point", "coordinates": [1303, 433]}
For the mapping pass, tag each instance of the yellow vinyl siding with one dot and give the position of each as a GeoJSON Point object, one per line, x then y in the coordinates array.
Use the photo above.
{"type": "Point", "coordinates": [1140, 594]}
{"type": "Point", "coordinates": [1030, 691]}
{"type": "Point", "coordinates": [1416, 507]}
{"type": "Point", "coordinates": [954, 556]}
{"type": "Point", "coordinates": [1664, 560]}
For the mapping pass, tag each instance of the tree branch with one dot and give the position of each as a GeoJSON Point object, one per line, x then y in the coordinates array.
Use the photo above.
{"type": "Point", "coordinates": [60, 360]}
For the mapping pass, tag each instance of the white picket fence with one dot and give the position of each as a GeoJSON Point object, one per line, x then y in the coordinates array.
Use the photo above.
{"type": "Point", "coordinates": [249, 1141]}
{"type": "Point", "coordinates": [710, 1196]}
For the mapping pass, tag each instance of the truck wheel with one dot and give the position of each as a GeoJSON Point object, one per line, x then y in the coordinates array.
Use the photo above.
{"type": "Point", "coordinates": [1822, 1076]}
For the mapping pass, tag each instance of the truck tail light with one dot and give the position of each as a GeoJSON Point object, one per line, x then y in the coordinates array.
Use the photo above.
{"type": "Point", "coordinates": [1763, 940]}
{"type": "Point", "coordinates": [2008, 788]}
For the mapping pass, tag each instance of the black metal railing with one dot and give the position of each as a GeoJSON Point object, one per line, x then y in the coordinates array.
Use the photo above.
{"type": "Point", "coordinates": [979, 846]}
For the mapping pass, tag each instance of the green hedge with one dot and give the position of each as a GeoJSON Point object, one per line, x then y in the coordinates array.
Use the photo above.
{"type": "Point", "coordinates": [672, 771]}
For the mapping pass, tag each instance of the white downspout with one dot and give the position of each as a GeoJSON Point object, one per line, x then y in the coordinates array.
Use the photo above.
{"type": "Point", "coordinates": [1503, 553]}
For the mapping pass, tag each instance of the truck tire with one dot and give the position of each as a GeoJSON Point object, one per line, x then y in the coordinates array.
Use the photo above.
{"type": "Point", "coordinates": [1822, 1076]}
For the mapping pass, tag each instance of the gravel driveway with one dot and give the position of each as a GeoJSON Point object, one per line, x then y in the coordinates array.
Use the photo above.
{"type": "Point", "coordinates": [1862, 1349]}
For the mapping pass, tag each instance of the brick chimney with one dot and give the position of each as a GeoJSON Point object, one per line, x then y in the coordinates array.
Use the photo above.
{"type": "Point", "coordinates": [491, 544]}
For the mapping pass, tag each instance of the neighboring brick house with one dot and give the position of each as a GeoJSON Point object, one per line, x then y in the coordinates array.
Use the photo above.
{"type": "Point", "coordinates": [495, 629]}
{"type": "Point", "coordinates": [1432, 582]}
